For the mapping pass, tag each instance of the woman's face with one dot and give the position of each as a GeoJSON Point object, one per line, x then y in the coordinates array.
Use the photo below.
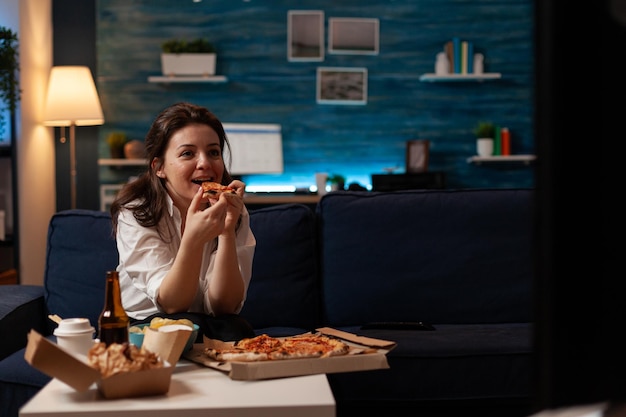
{"type": "Point", "coordinates": [193, 155]}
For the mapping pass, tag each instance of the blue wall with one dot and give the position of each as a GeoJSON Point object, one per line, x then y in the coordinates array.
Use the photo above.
{"type": "Point", "coordinates": [353, 140]}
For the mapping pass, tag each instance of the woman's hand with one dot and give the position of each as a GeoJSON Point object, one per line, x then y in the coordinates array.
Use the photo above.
{"type": "Point", "coordinates": [235, 205]}
{"type": "Point", "coordinates": [204, 225]}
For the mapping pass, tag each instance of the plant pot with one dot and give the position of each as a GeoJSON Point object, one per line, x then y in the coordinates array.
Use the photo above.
{"type": "Point", "coordinates": [484, 146]}
{"type": "Point", "coordinates": [116, 152]}
{"type": "Point", "coordinates": [200, 64]}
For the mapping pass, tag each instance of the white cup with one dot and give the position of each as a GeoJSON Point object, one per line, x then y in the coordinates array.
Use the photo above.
{"type": "Point", "coordinates": [484, 146]}
{"type": "Point", "coordinates": [321, 178]}
{"type": "Point", "coordinates": [75, 336]}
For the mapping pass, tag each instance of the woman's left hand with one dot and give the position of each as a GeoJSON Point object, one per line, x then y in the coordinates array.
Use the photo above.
{"type": "Point", "coordinates": [235, 205]}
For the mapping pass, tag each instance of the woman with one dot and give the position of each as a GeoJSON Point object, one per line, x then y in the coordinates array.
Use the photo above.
{"type": "Point", "coordinates": [181, 255]}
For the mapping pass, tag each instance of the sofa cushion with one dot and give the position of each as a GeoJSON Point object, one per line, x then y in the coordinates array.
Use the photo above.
{"type": "Point", "coordinates": [284, 290]}
{"type": "Point", "coordinates": [440, 256]}
{"type": "Point", "coordinates": [80, 249]}
{"type": "Point", "coordinates": [21, 309]}
{"type": "Point", "coordinates": [479, 361]}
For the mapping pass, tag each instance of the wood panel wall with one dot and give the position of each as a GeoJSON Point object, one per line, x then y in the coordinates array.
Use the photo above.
{"type": "Point", "coordinates": [354, 140]}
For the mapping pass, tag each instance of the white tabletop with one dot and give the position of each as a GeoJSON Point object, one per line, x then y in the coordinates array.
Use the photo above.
{"type": "Point", "coordinates": [195, 391]}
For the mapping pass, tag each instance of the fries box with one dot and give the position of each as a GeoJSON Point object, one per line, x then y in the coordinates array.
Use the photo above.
{"type": "Point", "coordinates": [52, 360]}
{"type": "Point", "coordinates": [365, 354]}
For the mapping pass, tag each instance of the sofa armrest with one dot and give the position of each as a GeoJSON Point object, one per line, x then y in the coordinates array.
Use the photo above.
{"type": "Point", "coordinates": [22, 308]}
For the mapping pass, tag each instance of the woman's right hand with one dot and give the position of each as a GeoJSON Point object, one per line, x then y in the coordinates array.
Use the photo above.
{"type": "Point", "coordinates": [204, 225]}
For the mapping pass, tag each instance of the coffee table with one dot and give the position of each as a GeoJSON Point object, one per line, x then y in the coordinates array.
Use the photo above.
{"type": "Point", "coordinates": [194, 391]}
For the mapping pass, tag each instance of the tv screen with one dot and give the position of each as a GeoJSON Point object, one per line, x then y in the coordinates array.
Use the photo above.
{"type": "Point", "coordinates": [255, 148]}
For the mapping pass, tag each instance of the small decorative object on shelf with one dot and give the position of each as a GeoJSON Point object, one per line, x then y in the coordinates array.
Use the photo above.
{"type": "Point", "coordinates": [134, 149]}
{"type": "Point", "coordinates": [459, 62]}
{"type": "Point", "coordinates": [188, 58]}
{"type": "Point", "coordinates": [337, 182]}
{"type": "Point", "coordinates": [485, 135]}
{"type": "Point", "coordinates": [116, 142]}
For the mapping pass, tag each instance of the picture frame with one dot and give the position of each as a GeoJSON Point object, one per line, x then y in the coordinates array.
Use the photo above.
{"type": "Point", "coordinates": [353, 36]}
{"type": "Point", "coordinates": [342, 85]}
{"type": "Point", "coordinates": [417, 155]}
{"type": "Point", "coordinates": [305, 35]}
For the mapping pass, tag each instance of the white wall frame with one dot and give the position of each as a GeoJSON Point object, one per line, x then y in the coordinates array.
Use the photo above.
{"type": "Point", "coordinates": [341, 85]}
{"type": "Point", "coordinates": [353, 36]}
{"type": "Point", "coordinates": [305, 35]}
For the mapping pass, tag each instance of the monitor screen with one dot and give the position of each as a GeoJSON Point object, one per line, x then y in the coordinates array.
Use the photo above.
{"type": "Point", "coordinates": [256, 148]}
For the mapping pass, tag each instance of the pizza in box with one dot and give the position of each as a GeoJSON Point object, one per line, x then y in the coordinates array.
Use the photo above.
{"type": "Point", "coordinates": [267, 348]}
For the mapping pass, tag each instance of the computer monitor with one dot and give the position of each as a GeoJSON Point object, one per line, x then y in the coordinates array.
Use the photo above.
{"type": "Point", "coordinates": [255, 148]}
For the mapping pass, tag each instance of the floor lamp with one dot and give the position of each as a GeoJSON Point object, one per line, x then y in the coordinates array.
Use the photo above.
{"type": "Point", "coordinates": [72, 100]}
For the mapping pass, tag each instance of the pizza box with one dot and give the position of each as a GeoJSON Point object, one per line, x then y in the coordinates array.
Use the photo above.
{"type": "Point", "coordinates": [54, 361]}
{"type": "Point", "coordinates": [366, 354]}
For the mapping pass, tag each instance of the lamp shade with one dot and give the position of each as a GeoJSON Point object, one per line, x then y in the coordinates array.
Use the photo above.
{"type": "Point", "coordinates": [72, 98]}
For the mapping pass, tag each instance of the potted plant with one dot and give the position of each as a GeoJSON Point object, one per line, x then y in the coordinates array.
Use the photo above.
{"type": "Point", "coordinates": [485, 130]}
{"type": "Point", "coordinates": [116, 142]}
{"type": "Point", "coordinates": [182, 57]}
{"type": "Point", "coordinates": [9, 67]}
{"type": "Point", "coordinates": [485, 133]}
{"type": "Point", "coordinates": [337, 182]}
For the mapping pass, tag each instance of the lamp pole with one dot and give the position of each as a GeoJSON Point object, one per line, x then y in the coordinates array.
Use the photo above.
{"type": "Point", "coordinates": [73, 162]}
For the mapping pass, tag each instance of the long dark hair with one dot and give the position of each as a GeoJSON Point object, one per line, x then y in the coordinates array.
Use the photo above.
{"type": "Point", "coordinates": [148, 192]}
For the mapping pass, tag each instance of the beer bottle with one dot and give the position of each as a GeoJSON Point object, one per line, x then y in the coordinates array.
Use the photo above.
{"type": "Point", "coordinates": [113, 322]}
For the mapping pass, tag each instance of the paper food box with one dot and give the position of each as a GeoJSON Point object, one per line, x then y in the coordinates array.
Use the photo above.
{"type": "Point", "coordinates": [52, 360]}
{"type": "Point", "coordinates": [365, 354]}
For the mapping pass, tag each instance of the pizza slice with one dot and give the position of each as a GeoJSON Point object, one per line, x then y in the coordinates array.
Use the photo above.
{"type": "Point", "coordinates": [213, 189]}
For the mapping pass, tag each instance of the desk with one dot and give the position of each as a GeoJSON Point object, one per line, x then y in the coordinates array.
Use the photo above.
{"type": "Point", "coordinates": [194, 391]}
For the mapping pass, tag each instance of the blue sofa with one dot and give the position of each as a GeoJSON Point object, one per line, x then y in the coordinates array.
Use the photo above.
{"type": "Point", "coordinates": [460, 260]}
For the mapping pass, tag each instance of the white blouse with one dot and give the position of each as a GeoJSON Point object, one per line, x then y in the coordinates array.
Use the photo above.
{"type": "Point", "coordinates": [145, 259]}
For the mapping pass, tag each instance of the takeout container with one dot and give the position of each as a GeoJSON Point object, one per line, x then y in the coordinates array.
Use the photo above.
{"type": "Point", "coordinates": [54, 361]}
{"type": "Point", "coordinates": [136, 338]}
{"type": "Point", "coordinates": [366, 354]}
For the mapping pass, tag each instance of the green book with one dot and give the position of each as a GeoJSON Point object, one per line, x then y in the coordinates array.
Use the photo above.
{"type": "Point", "coordinates": [497, 149]}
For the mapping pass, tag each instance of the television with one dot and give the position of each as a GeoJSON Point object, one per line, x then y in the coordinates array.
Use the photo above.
{"type": "Point", "coordinates": [255, 148]}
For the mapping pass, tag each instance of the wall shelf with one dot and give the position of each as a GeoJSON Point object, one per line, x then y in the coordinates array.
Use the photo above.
{"type": "Point", "coordinates": [524, 159]}
{"type": "Point", "coordinates": [121, 162]}
{"type": "Point", "coordinates": [165, 79]}
{"type": "Point", "coordinates": [431, 77]}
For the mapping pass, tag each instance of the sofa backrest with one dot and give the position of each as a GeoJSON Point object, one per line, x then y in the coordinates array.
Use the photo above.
{"type": "Point", "coordinates": [80, 249]}
{"type": "Point", "coordinates": [284, 290]}
{"type": "Point", "coordinates": [440, 256]}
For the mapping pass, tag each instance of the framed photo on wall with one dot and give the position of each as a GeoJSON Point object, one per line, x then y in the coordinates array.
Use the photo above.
{"type": "Point", "coordinates": [305, 35]}
{"type": "Point", "coordinates": [417, 153]}
{"type": "Point", "coordinates": [340, 85]}
{"type": "Point", "coordinates": [354, 36]}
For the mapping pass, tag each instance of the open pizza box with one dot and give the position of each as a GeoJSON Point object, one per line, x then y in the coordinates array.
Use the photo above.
{"type": "Point", "coordinates": [365, 354]}
{"type": "Point", "coordinates": [52, 360]}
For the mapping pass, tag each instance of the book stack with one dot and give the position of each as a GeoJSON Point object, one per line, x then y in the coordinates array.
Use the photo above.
{"type": "Point", "coordinates": [461, 56]}
{"type": "Point", "coordinates": [502, 141]}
